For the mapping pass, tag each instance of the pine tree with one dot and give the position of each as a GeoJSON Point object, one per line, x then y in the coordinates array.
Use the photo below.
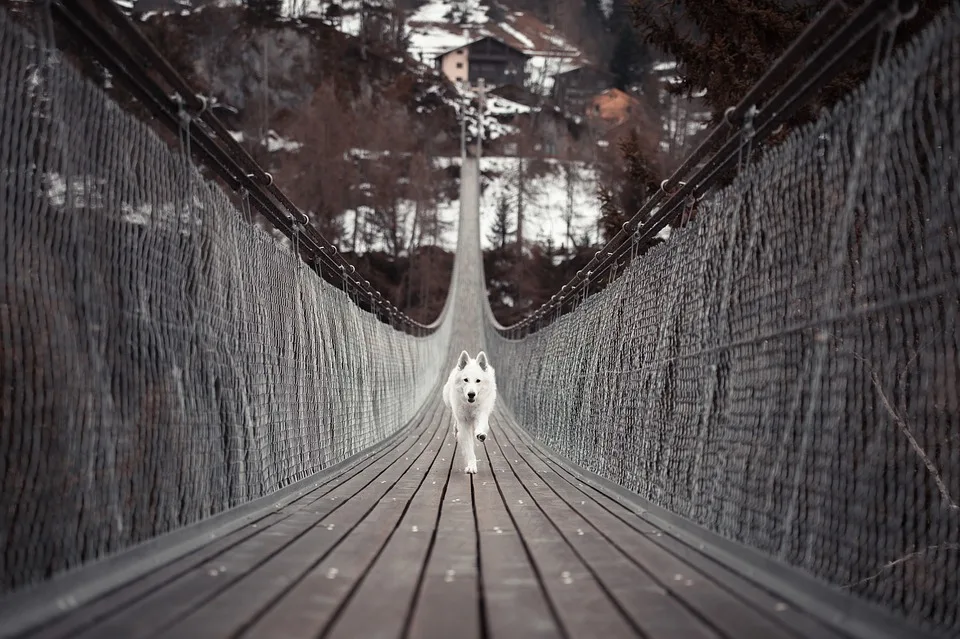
{"type": "Point", "coordinates": [725, 46]}
{"type": "Point", "coordinates": [624, 58]}
{"type": "Point", "coordinates": [265, 9]}
{"type": "Point", "coordinates": [500, 231]}
{"type": "Point", "coordinates": [593, 18]}
{"type": "Point", "coordinates": [636, 181]}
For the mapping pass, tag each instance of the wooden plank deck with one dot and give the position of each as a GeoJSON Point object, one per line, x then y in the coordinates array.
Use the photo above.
{"type": "Point", "coordinates": [404, 544]}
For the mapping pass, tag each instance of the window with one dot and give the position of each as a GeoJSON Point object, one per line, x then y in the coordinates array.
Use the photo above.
{"type": "Point", "coordinates": [459, 78]}
{"type": "Point", "coordinates": [461, 52]}
{"type": "Point", "coordinates": [459, 65]}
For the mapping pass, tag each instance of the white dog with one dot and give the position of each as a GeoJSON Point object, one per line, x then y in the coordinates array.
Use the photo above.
{"type": "Point", "coordinates": [471, 392]}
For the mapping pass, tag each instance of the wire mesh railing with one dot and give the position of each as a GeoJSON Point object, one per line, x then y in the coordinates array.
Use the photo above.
{"type": "Point", "coordinates": [785, 370]}
{"type": "Point", "coordinates": [162, 359]}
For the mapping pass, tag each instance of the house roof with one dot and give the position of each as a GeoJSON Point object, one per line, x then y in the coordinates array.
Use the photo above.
{"type": "Point", "coordinates": [589, 68]}
{"type": "Point", "coordinates": [517, 94]}
{"type": "Point", "coordinates": [614, 106]}
{"type": "Point", "coordinates": [481, 39]}
{"type": "Point", "coordinates": [519, 30]}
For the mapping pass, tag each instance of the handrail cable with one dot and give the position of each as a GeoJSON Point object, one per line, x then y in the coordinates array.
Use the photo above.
{"type": "Point", "coordinates": [234, 164]}
{"type": "Point", "coordinates": [663, 206]}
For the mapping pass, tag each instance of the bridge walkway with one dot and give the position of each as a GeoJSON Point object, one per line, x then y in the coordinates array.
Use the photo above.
{"type": "Point", "coordinates": [402, 543]}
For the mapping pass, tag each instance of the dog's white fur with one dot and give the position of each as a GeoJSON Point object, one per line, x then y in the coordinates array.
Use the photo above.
{"type": "Point", "coordinates": [470, 393]}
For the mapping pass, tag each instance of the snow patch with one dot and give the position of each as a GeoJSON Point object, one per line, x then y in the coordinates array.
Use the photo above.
{"type": "Point", "coordinates": [522, 39]}
{"type": "Point", "coordinates": [566, 192]}
{"type": "Point", "coordinates": [468, 11]}
{"type": "Point", "coordinates": [275, 142]}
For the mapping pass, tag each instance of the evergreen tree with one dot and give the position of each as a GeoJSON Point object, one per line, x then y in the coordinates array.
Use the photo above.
{"type": "Point", "coordinates": [265, 9]}
{"type": "Point", "coordinates": [500, 231]}
{"type": "Point", "coordinates": [625, 58]}
{"type": "Point", "coordinates": [627, 55]}
{"type": "Point", "coordinates": [634, 183]}
{"type": "Point", "coordinates": [594, 22]}
{"type": "Point", "coordinates": [725, 46]}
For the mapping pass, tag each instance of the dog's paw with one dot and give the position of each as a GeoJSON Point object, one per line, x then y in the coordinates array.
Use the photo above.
{"type": "Point", "coordinates": [481, 437]}
{"type": "Point", "coordinates": [471, 468]}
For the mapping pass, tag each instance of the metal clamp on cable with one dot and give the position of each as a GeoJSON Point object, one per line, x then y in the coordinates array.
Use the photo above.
{"type": "Point", "coordinates": [204, 103]}
{"type": "Point", "coordinates": [182, 114]}
{"type": "Point", "coordinates": [726, 117]}
{"type": "Point", "coordinates": [748, 129]}
{"type": "Point", "coordinates": [899, 12]}
{"type": "Point", "coordinates": [672, 192]}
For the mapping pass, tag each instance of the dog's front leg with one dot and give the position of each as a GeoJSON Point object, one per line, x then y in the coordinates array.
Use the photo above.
{"type": "Point", "coordinates": [465, 442]}
{"type": "Point", "coordinates": [483, 428]}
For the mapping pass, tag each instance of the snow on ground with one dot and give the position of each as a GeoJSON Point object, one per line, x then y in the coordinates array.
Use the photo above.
{"type": "Point", "coordinates": [448, 212]}
{"type": "Point", "coordinates": [448, 215]}
{"type": "Point", "coordinates": [541, 70]}
{"type": "Point", "coordinates": [275, 142]}
{"type": "Point", "coordinates": [496, 105]}
{"type": "Point", "coordinates": [548, 200]}
{"type": "Point", "coordinates": [427, 43]}
{"type": "Point", "coordinates": [472, 11]}
{"type": "Point", "coordinates": [494, 108]}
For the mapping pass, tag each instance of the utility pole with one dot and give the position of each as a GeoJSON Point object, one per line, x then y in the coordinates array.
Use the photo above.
{"type": "Point", "coordinates": [481, 86]}
{"type": "Point", "coordinates": [463, 125]}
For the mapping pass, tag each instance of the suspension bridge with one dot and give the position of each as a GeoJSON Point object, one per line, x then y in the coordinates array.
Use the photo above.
{"type": "Point", "coordinates": [750, 431]}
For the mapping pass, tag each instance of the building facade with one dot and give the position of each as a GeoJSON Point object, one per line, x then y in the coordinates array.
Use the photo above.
{"type": "Point", "coordinates": [488, 58]}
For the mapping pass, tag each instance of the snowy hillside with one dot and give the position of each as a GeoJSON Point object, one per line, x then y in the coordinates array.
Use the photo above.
{"type": "Point", "coordinates": [563, 194]}
{"type": "Point", "coordinates": [557, 201]}
{"type": "Point", "coordinates": [441, 25]}
{"type": "Point", "coordinates": [550, 200]}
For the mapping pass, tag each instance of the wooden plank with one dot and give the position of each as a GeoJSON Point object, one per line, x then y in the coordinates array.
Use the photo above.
{"type": "Point", "coordinates": [235, 608]}
{"type": "Point", "coordinates": [521, 550]}
{"type": "Point", "coordinates": [798, 621]}
{"type": "Point", "coordinates": [584, 608]}
{"type": "Point", "coordinates": [515, 604]}
{"type": "Point", "coordinates": [801, 622]}
{"type": "Point", "coordinates": [391, 583]}
{"type": "Point", "coordinates": [100, 609]}
{"type": "Point", "coordinates": [651, 608]}
{"type": "Point", "coordinates": [308, 609]}
{"type": "Point", "coordinates": [722, 610]}
{"type": "Point", "coordinates": [178, 598]}
{"type": "Point", "coordinates": [85, 618]}
{"type": "Point", "coordinates": [448, 602]}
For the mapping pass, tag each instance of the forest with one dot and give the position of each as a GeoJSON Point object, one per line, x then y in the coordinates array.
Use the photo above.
{"type": "Point", "coordinates": [331, 98]}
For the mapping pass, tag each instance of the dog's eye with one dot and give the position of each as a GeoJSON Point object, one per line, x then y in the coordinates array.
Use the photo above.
{"type": "Point", "coordinates": [465, 379]}
{"type": "Point", "coordinates": [478, 381]}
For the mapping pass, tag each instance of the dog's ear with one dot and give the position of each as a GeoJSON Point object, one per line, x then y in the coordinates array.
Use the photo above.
{"type": "Point", "coordinates": [482, 360]}
{"type": "Point", "coordinates": [464, 359]}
